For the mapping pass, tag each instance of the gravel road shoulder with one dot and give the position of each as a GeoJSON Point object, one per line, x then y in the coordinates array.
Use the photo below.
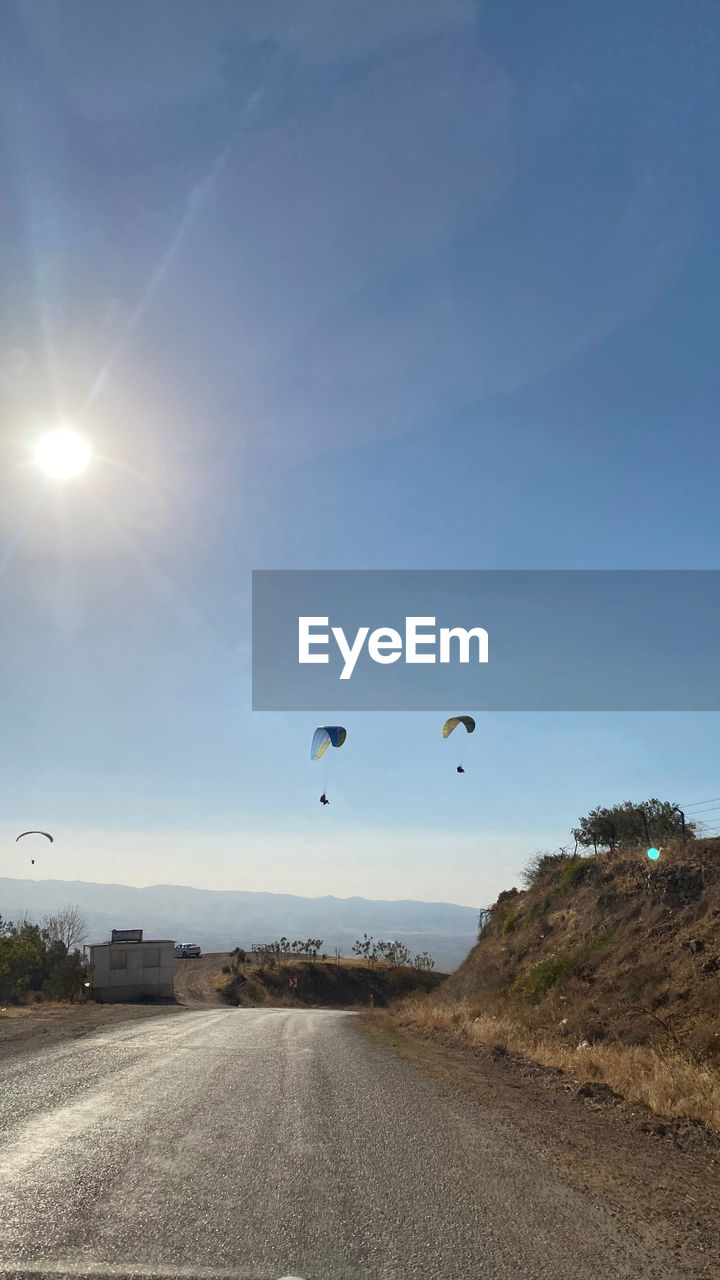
{"type": "Point", "coordinates": [42, 1026]}
{"type": "Point", "coordinates": [660, 1177]}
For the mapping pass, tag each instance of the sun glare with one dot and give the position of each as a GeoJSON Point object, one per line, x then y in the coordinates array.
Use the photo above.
{"type": "Point", "coordinates": [62, 453]}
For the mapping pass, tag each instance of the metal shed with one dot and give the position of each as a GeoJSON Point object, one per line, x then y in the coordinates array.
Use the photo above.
{"type": "Point", "coordinates": [128, 970]}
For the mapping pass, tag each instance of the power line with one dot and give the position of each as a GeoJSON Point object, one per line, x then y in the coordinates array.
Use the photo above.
{"type": "Point", "coordinates": [697, 804]}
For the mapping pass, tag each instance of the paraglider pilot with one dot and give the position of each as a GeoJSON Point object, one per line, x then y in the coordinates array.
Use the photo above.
{"type": "Point", "coordinates": [324, 799]}
{"type": "Point", "coordinates": [460, 769]}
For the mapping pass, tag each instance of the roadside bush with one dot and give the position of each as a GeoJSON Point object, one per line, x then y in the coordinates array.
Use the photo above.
{"type": "Point", "coordinates": [36, 963]}
{"type": "Point", "coordinates": [21, 963]}
{"type": "Point", "coordinates": [577, 872]}
{"type": "Point", "coordinates": [64, 977]}
{"type": "Point", "coordinates": [542, 865]}
{"type": "Point", "coordinates": [534, 984]}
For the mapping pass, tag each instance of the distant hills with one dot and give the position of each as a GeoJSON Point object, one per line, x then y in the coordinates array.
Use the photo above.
{"type": "Point", "coordinates": [222, 919]}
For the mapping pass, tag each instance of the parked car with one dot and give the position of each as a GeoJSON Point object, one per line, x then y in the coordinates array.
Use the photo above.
{"type": "Point", "coordinates": [187, 951]}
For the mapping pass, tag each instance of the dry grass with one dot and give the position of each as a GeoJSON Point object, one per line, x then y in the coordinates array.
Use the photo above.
{"type": "Point", "coordinates": [289, 960]}
{"type": "Point", "coordinates": [664, 1079]}
{"type": "Point", "coordinates": [41, 1008]}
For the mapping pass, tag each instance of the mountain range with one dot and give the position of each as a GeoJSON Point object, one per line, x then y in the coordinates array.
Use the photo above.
{"type": "Point", "coordinates": [219, 920]}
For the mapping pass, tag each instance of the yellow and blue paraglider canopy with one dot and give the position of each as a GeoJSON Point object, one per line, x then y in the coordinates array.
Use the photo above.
{"type": "Point", "coordinates": [327, 735]}
{"type": "Point", "coordinates": [453, 723]}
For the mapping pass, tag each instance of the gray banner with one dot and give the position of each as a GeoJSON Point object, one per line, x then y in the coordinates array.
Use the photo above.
{"type": "Point", "coordinates": [501, 640]}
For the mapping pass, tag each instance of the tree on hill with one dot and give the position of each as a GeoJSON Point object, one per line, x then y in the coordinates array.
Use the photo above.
{"type": "Point", "coordinates": [67, 926]}
{"type": "Point", "coordinates": [632, 825]}
{"type": "Point", "coordinates": [365, 949]}
{"type": "Point", "coordinates": [483, 918]}
{"type": "Point", "coordinates": [393, 952]}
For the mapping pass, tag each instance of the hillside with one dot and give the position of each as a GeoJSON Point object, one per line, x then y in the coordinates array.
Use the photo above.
{"type": "Point", "coordinates": [629, 949]}
{"type": "Point", "coordinates": [607, 966]}
{"type": "Point", "coordinates": [222, 919]}
{"type": "Point", "coordinates": [326, 984]}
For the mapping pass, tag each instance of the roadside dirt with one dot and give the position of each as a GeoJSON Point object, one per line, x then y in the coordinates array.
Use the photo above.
{"type": "Point", "coordinates": [42, 1026]}
{"type": "Point", "coordinates": [39, 1026]}
{"type": "Point", "coordinates": [661, 1177]}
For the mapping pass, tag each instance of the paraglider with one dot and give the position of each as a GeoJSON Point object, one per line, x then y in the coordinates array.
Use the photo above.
{"type": "Point", "coordinates": [325, 736]}
{"type": "Point", "coordinates": [34, 833]}
{"type": "Point", "coordinates": [452, 724]}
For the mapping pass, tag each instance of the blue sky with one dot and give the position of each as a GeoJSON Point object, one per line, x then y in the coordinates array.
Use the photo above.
{"type": "Point", "coordinates": [331, 285]}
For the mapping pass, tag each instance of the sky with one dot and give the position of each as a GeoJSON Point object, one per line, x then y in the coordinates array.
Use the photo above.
{"type": "Point", "coordinates": [332, 285]}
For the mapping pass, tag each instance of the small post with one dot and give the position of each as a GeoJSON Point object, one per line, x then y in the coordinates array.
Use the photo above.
{"type": "Point", "coordinates": [677, 809]}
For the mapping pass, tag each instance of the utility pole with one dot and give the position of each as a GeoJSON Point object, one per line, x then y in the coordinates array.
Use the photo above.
{"type": "Point", "coordinates": [677, 809]}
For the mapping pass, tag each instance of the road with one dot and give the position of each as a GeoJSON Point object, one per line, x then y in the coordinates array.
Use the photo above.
{"type": "Point", "coordinates": [261, 1143]}
{"type": "Point", "coordinates": [195, 979]}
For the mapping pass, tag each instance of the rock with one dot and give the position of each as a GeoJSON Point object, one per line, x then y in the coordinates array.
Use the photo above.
{"type": "Point", "coordinates": [656, 1129]}
{"type": "Point", "coordinates": [598, 1092]}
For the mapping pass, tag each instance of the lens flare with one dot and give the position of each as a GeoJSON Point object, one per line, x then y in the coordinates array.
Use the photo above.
{"type": "Point", "coordinates": [62, 454]}
{"type": "Point", "coordinates": [654, 854]}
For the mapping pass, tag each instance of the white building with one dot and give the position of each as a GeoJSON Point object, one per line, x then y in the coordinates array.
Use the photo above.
{"type": "Point", "coordinates": [127, 970]}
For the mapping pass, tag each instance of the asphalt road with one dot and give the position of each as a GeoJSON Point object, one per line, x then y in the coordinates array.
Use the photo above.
{"type": "Point", "coordinates": [257, 1144]}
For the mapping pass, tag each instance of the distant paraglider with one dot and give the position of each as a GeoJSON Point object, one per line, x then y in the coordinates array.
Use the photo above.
{"type": "Point", "coordinates": [453, 723]}
{"type": "Point", "coordinates": [34, 833]}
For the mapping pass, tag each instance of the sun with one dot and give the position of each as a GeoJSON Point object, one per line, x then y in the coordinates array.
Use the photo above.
{"type": "Point", "coordinates": [62, 453]}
